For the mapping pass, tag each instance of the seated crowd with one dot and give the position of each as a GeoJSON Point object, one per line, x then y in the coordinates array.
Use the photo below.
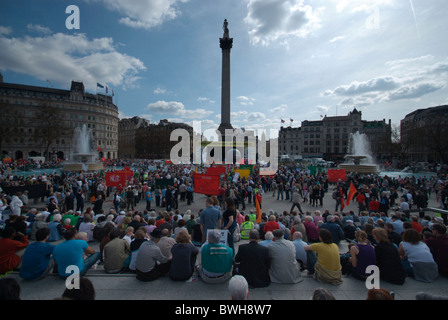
{"type": "Point", "coordinates": [279, 247]}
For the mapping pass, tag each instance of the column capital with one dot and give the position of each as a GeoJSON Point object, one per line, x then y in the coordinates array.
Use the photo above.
{"type": "Point", "coordinates": [226, 43]}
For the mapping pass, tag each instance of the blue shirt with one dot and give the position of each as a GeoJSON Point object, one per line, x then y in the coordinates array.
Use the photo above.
{"type": "Point", "coordinates": [35, 260]}
{"type": "Point", "coordinates": [210, 217]}
{"type": "Point", "coordinates": [70, 253]}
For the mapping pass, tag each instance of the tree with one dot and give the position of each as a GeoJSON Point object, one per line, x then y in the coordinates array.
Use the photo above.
{"type": "Point", "coordinates": [51, 126]}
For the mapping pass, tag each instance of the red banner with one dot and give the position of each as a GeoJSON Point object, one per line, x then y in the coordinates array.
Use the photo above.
{"type": "Point", "coordinates": [114, 179]}
{"type": "Point", "coordinates": [335, 174]}
{"type": "Point", "coordinates": [206, 184]}
{"type": "Point", "coordinates": [217, 170]}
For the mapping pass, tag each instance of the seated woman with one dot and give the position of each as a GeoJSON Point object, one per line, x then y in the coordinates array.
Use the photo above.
{"type": "Point", "coordinates": [387, 258]}
{"type": "Point", "coordinates": [184, 257]}
{"type": "Point", "coordinates": [328, 265]}
{"type": "Point", "coordinates": [417, 259]}
{"type": "Point", "coordinates": [362, 255]}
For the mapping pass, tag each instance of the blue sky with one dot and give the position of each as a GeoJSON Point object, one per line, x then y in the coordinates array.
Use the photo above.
{"type": "Point", "coordinates": [291, 59]}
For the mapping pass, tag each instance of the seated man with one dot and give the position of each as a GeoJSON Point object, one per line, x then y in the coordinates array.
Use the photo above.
{"type": "Point", "coordinates": [300, 245]}
{"type": "Point", "coordinates": [284, 266]}
{"type": "Point", "coordinates": [438, 244]}
{"type": "Point", "coordinates": [216, 260]}
{"type": "Point", "coordinates": [37, 261]}
{"type": "Point", "coordinates": [254, 262]}
{"type": "Point", "coordinates": [69, 253]}
{"type": "Point", "coordinates": [148, 255]}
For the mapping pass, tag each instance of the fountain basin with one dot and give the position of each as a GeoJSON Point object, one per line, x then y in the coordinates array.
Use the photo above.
{"type": "Point", "coordinates": [83, 166]}
{"type": "Point", "coordinates": [359, 168]}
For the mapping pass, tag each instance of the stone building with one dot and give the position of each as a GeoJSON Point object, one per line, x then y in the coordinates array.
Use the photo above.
{"type": "Point", "coordinates": [424, 134]}
{"type": "Point", "coordinates": [39, 121]}
{"type": "Point", "coordinates": [153, 141]}
{"type": "Point", "coordinates": [127, 129]}
{"type": "Point", "coordinates": [329, 138]}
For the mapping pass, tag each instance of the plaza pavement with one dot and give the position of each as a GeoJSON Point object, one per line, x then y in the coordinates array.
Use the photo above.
{"type": "Point", "coordinates": [127, 287]}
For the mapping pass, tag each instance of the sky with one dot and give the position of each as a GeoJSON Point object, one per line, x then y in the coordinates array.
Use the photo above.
{"type": "Point", "coordinates": [291, 59]}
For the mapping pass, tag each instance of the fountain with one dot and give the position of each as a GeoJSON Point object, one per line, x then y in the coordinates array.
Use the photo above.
{"type": "Point", "coordinates": [82, 157]}
{"type": "Point", "coordinates": [359, 158]}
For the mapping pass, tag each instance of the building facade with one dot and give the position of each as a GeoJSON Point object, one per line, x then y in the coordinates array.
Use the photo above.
{"type": "Point", "coordinates": [39, 121]}
{"type": "Point", "coordinates": [424, 134]}
{"type": "Point", "coordinates": [329, 138]}
{"type": "Point", "coordinates": [153, 141]}
{"type": "Point", "coordinates": [127, 129]}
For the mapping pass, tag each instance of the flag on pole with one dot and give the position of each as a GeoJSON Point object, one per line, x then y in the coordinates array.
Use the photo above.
{"type": "Point", "coordinates": [107, 89]}
{"type": "Point", "coordinates": [351, 193]}
{"type": "Point", "coordinates": [291, 120]}
{"type": "Point", "coordinates": [99, 85]}
{"type": "Point", "coordinates": [283, 121]}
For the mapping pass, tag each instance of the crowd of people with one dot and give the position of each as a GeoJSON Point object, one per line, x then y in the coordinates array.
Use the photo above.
{"type": "Point", "coordinates": [168, 239]}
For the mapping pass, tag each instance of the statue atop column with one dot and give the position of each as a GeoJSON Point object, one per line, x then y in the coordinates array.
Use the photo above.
{"type": "Point", "coordinates": [225, 28]}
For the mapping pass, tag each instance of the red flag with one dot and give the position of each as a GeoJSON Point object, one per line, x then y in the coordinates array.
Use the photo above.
{"type": "Point", "coordinates": [258, 209]}
{"type": "Point", "coordinates": [100, 150]}
{"type": "Point", "coordinates": [351, 193]}
{"type": "Point", "coordinates": [206, 184]}
{"type": "Point", "coordinates": [283, 121]}
{"type": "Point", "coordinates": [114, 179]}
{"type": "Point", "coordinates": [334, 175]}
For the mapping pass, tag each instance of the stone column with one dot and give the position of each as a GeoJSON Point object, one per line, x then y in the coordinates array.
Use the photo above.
{"type": "Point", "coordinates": [226, 45]}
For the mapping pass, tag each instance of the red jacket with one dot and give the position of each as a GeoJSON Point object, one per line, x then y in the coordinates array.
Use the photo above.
{"type": "Point", "coordinates": [8, 247]}
{"type": "Point", "coordinates": [271, 226]}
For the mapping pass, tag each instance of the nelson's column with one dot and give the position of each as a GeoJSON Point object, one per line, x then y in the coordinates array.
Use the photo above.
{"type": "Point", "coordinates": [226, 45]}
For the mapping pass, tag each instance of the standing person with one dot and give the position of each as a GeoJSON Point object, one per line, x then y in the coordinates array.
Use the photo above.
{"type": "Point", "coordinates": [296, 201]}
{"type": "Point", "coordinates": [158, 194]}
{"type": "Point", "coordinates": [184, 255]}
{"type": "Point", "coordinates": [210, 218]}
{"type": "Point", "coordinates": [129, 199]}
{"type": "Point", "coordinates": [80, 200]}
{"type": "Point", "coordinates": [98, 205]}
{"type": "Point", "coordinates": [229, 221]}
{"type": "Point", "coordinates": [253, 262]}
{"type": "Point", "coordinates": [16, 204]}
{"type": "Point", "coordinates": [148, 197]}
{"type": "Point", "coordinates": [284, 266]}
{"type": "Point", "coordinates": [37, 261]}
{"type": "Point", "coordinates": [117, 201]}
{"type": "Point", "coordinates": [70, 253]}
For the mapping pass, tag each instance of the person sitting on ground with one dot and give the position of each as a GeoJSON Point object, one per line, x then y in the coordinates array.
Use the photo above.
{"type": "Point", "coordinates": [336, 231]}
{"type": "Point", "coordinates": [272, 224]}
{"type": "Point", "coordinates": [238, 288]}
{"type": "Point", "coordinates": [311, 230]}
{"type": "Point", "coordinates": [268, 239]}
{"type": "Point", "coordinates": [349, 230]}
{"type": "Point", "coordinates": [379, 294]}
{"type": "Point", "coordinates": [166, 242]}
{"type": "Point", "coordinates": [12, 248]}
{"type": "Point", "coordinates": [322, 294]}
{"type": "Point", "coordinates": [301, 255]}
{"type": "Point", "coordinates": [284, 267]}
{"type": "Point", "coordinates": [116, 251]}
{"type": "Point", "coordinates": [69, 254]}
{"type": "Point", "coordinates": [87, 226]}
{"type": "Point", "coordinates": [298, 226]}
{"type": "Point", "coordinates": [360, 256]}
{"type": "Point", "coordinates": [328, 265]}
{"type": "Point", "coordinates": [56, 229]}
{"type": "Point", "coordinates": [39, 223]}
{"type": "Point", "coordinates": [37, 261]}
{"type": "Point", "coordinates": [9, 289]}
{"type": "Point", "coordinates": [148, 256]}
{"type": "Point", "coordinates": [417, 258]}
{"type": "Point", "coordinates": [86, 291]}
{"type": "Point", "coordinates": [184, 255]}
{"type": "Point", "coordinates": [216, 260]}
{"type": "Point", "coordinates": [246, 227]}
{"type": "Point", "coordinates": [438, 244]}
{"type": "Point", "coordinates": [253, 262]}
{"type": "Point", "coordinates": [139, 237]}
{"type": "Point", "coordinates": [387, 258]}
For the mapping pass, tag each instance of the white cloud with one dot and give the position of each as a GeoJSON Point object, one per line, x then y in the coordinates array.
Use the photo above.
{"type": "Point", "coordinates": [280, 109]}
{"type": "Point", "coordinates": [61, 57]}
{"type": "Point", "coordinates": [144, 14]}
{"type": "Point", "coordinates": [38, 28]}
{"type": "Point", "coordinates": [272, 20]}
{"type": "Point", "coordinates": [246, 101]}
{"type": "Point", "coordinates": [414, 91]}
{"type": "Point", "coordinates": [372, 85]}
{"type": "Point", "coordinates": [159, 91]}
{"type": "Point", "coordinates": [5, 30]}
{"type": "Point", "coordinates": [206, 99]}
{"type": "Point", "coordinates": [338, 38]}
{"type": "Point", "coordinates": [175, 108]}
